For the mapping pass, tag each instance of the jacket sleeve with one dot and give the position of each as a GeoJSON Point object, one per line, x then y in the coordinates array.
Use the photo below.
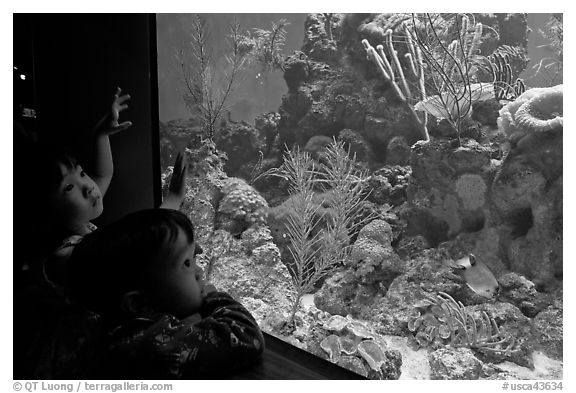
{"type": "Point", "coordinates": [226, 338]}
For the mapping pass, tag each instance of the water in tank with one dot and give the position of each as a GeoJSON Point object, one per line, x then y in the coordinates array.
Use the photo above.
{"type": "Point", "coordinates": [383, 191]}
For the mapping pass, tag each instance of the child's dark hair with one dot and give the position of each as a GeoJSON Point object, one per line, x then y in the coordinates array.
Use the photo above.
{"type": "Point", "coordinates": [37, 173]}
{"type": "Point", "coordinates": [45, 160]}
{"type": "Point", "coordinates": [115, 259]}
{"type": "Point", "coordinates": [50, 167]}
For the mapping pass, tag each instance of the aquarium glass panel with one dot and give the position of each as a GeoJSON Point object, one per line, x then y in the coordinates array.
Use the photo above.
{"type": "Point", "coordinates": [383, 191]}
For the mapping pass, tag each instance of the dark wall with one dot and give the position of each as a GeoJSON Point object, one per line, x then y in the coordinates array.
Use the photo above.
{"type": "Point", "coordinates": [78, 60]}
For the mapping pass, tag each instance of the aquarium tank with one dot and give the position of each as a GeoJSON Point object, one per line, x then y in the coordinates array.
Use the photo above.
{"type": "Point", "coordinates": [383, 191]}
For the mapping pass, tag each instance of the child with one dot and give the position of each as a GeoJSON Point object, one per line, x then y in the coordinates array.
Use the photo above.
{"type": "Point", "coordinates": [61, 197]}
{"type": "Point", "coordinates": [72, 198]}
{"type": "Point", "coordinates": [58, 200]}
{"type": "Point", "coordinates": [164, 321]}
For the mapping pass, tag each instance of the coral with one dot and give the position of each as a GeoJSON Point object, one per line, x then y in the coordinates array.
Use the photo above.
{"type": "Point", "coordinates": [359, 331]}
{"type": "Point", "coordinates": [386, 69]}
{"type": "Point", "coordinates": [336, 323]}
{"type": "Point", "coordinates": [241, 142]}
{"type": "Point", "coordinates": [342, 294]}
{"type": "Point", "coordinates": [316, 146]}
{"type": "Point", "coordinates": [435, 209]}
{"type": "Point", "coordinates": [398, 151]}
{"type": "Point", "coordinates": [348, 346]}
{"type": "Point", "coordinates": [439, 318]}
{"type": "Point", "coordinates": [372, 353]}
{"type": "Point", "coordinates": [355, 143]}
{"type": "Point", "coordinates": [409, 247]}
{"type": "Point", "coordinates": [446, 208]}
{"type": "Point", "coordinates": [537, 109]}
{"type": "Point", "coordinates": [353, 364]}
{"type": "Point", "coordinates": [378, 230]}
{"type": "Point", "coordinates": [351, 337]}
{"type": "Point", "coordinates": [547, 331]}
{"type": "Point", "coordinates": [454, 363]}
{"type": "Point", "coordinates": [320, 29]}
{"type": "Point", "coordinates": [398, 178]}
{"type": "Point", "coordinates": [267, 123]}
{"type": "Point", "coordinates": [486, 112]}
{"type": "Point", "coordinates": [255, 237]}
{"type": "Point", "coordinates": [518, 290]}
{"type": "Point", "coordinates": [542, 112]}
{"type": "Point", "coordinates": [241, 207]}
{"type": "Point", "coordinates": [267, 254]}
{"type": "Point", "coordinates": [374, 263]}
{"type": "Point", "coordinates": [471, 189]}
{"type": "Point", "coordinates": [331, 345]}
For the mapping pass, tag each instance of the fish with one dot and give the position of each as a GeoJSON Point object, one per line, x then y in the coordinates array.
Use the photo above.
{"type": "Point", "coordinates": [477, 276]}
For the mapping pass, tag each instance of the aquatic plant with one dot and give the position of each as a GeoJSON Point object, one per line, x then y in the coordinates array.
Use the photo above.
{"type": "Point", "coordinates": [450, 51]}
{"type": "Point", "coordinates": [207, 94]}
{"type": "Point", "coordinates": [265, 46]}
{"type": "Point", "coordinates": [504, 88]}
{"type": "Point", "coordinates": [319, 239]}
{"type": "Point", "coordinates": [441, 318]}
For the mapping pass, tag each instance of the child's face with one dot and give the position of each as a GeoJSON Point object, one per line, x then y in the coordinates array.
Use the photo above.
{"type": "Point", "coordinates": [77, 199]}
{"type": "Point", "coordinates": [179, 281]}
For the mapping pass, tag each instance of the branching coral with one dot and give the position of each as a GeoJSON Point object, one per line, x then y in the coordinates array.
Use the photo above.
{"type": "Point", "coordinates": [442, 319]}
{"type": "Point", "coordinates": [450, 59]}
{"type": "Point", "coordinates": [387, 67]}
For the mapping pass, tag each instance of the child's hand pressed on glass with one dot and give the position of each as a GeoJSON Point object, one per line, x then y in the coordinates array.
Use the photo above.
{"type": "Point", "coordinates": [177, 187]}
{"type": "Point", "coordinates": [178, 181]}
{"type": "Point", "coordinates": [208, 288]}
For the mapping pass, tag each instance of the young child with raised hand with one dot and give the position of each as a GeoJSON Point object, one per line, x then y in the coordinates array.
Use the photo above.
{"type": "Point", "coordinates": [70, 196]}
{"type": "Point", "coordinates": [73, 197]}
{"type": "Point", "coordinates": [164, 321]}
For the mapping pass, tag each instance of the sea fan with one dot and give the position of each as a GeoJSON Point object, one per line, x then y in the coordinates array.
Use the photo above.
{"type": "Point", "coordinates": [450, 106]}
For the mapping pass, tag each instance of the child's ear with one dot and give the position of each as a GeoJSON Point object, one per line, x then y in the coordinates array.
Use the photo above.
{"type": "Point", "coordinates": [135, 303]}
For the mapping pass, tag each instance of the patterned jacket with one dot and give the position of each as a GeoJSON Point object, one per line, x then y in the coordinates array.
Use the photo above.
{"type": "Point", "coordinates": [223, 338]}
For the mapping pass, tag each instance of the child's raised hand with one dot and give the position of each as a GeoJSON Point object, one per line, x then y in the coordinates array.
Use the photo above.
{"type": "Point", "coordinates": [178, 181]}
{"type": "Point", "coordinates": [109, 125]}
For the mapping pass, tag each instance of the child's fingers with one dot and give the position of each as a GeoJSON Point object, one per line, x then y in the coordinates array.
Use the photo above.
{"type": "Point", "coordinates": [208, 288]}
{"type": "Point", "coordinates": [183, 178]}
{"type": "Point", "coordinates": [123, 98]}
{"type": "Point", "coordinates": [120, 108]}
{"type": "Point", "coordinates": [120, 127]}
{"type": "Point", "coordinates": [125, 125]}
{"type": "Point", "coordinates": [185, 161]}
